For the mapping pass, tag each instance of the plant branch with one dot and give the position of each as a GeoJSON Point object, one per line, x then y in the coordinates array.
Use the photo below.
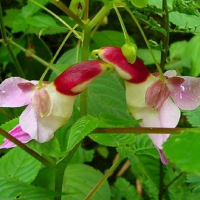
{"type": "Point", "coordinates": [67, 11]}
{"type": "Point", "coordinates": [144, 130]}
{"type": "Point", "coordinates": [103, 179]}
{"type": "Point", "coordinates": [165, 38]}
{"type": "Point", "coordinates": [9, 48]}
{"type": "Point", "coordinates": [161, 181]}
{"type": "Point", "coordinates": [27, 149]}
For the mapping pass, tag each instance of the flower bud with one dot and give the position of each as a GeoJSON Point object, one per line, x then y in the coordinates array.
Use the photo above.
{"type": "Point", "coordinates": [130, 52]}
{"type": "Point", "coordinates": [78, 7]}
{"type": "Point", "coordinates": [139, 3]}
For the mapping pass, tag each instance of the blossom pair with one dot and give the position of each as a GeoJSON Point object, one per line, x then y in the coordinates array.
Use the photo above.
{"type": "Point", "coordinates": [155, 101]}
{"type": "Point", "coordinates": [50, 105]}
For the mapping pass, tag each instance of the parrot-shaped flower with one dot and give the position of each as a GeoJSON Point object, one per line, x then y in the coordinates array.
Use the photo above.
{"type": "Point", "coordinates": [50, 105]}
{"type": "Point", "coordinates": [148, 98]}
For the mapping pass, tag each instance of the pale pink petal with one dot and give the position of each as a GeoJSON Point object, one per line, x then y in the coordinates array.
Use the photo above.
{"type": "Point", "coordinates": [19, 134]}
{"type": "Point", "coordinates": [162, 157]}
{"type": "Point", "coordinates": [170, 73]}
{"type": "Point", "coordinates": [186, 95]}
{"type": "Point", "coordinates": [40, 128]}
{"type": "Point", "coordinates": [11, 95]}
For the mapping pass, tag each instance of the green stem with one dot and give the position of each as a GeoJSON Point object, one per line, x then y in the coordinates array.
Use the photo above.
{"type": "Point", "coordinates": [145, 130]}
{"type": "Point", "coordinates": [100, 15]}
{"type": "Point", "coordinates": [61, 166]}
{"type": "Point", "coordinates": [165, 38]}
{"type": "Point", "coordinates": [57, 17]}
{"type": "Point", "coordinates": [67, 11]}
{"type": "Point", "coordinates": [27, 149]}
{"type": "Point", "coordinates": [146, 41]}
{"type": "Point", "coordinates": [6, 42]}
{"type": "Point", "coordinates": [55, 56]}
{"type": "Point", "coordinates": [103, 179]}
{"type": "Point", "coordinates": [126, 36]}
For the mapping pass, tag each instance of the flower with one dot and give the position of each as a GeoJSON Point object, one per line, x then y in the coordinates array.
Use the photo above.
{"type": "Point", "coordinates": [154, 101]}
{"type": "Point", "coordinates": [50, 105]}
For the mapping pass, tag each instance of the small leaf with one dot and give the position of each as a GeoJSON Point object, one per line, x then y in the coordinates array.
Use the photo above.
{"type": "Point", "coordinates": [194, 181]}
{"type": "Point", "coordinates": [125, 190]}
{"type": "Point", "coordinates": [19, 165]}
{"type": "Point", "coordinates": [193, 116]}
{"type": "Point", "coordinates": [184, 154]}
{"type": "Point", "coordinates": [80, 129]}
{"type": "Point", "coordinates": [78, 181]}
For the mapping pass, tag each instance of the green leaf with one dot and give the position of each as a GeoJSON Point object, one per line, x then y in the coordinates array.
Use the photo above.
{"type": "Point", "coordinates": [185, 151]}
{"type": "Point", "coordinates": [79, 179]}
{"type": "Point", "coordinates": [113, 140]}
{"type": "Point", "coordinates": [11, 189]}
{"type": "Point", "coordinates": [125, 190]}
{"type": "Point", "coordinates": [19, 165]}
{"type": "Point", "coordinates": [193, 116]}
{"type": "Point", "coordinates": [80, 129]}
{"type": "Point", "coordinates": [184, 21]}
{"type": "Point", "coordinates": [10, 17]}
{"type": "Point", "coordinates": [194, 181]}
{"type": "Point", "coordinates": [82, 155]}
{"type": "Point", "coordinates": [193, 51]}
{"type": "Point", "coordinates": [109, 38]}
{"type": "Point", "coordinates": [145, 55]}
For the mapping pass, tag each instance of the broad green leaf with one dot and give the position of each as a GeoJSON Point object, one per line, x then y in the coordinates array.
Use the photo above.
{"type": "Point", "coordinates": [11, 189]}
{"type": "Point", "coordinates": [109, 38]}
{"type": "Point", "coordinates": [80, 129]}
{"type": "Point", "coordinates": [32, 8]}
{"type": "Point", "coordinates": [145, 55]}
{"type": "Point", "coordinates": [50, 148]}
{"type": "Point", "coordinates": [125, 190]}
{"type": "Point", "coordinates": [10, 17]}
{"type": "Point", "coordinates": [185, 151]}
{"type": "Point", "coordinates": [82, 155]}
{"type": "Point", "coordinates": [193, 51]}
{"type": "Point", "coordinates": [19, 165]}
{"type": "Point", "coordinates": [79, 179]}
{"type": "Point", "coordinates": [113, 140]}
{"type": "Point", "coordinates": [184, 21]}
{"type": "Point", "coordinates": [106, 95]}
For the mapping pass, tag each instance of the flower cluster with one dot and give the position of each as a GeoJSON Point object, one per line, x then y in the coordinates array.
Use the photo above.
{"type": "Point", "coordinates": [49, 105]}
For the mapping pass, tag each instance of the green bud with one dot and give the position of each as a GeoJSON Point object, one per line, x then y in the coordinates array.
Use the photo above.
{"type": "Point", "coordinates": [139, 3]}
{"type": "Point", "coordinates": [130, 52]}
{"type": "Point", "coordinates": [78, 7]}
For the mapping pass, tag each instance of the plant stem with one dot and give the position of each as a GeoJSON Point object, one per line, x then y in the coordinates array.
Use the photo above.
{"type": "Point", "coordinates": [144, 130]}
{"type": "Point", "coordinates": [6, 42]}
{"type": "Point", "coordinates": [161, 182]}
{"type": "Point", "coordinates": [56, 16]}
{"type": "Point", "coordinates": [100, 15]}
{"type": "Point", "coordinates": [27, 149]}
{"type": "Point", "coordinates": [61, 166]}
{"type": "Point", "coordinates": [146, 41]}
{"type": "Point", "coordinates": [67, 11]}
{"type": "Point", "coordinates": [126, 36]}
{"type": "Point", "coordinates": [165, 38]}
{"type": "Point", "coordinates": [103, 179]}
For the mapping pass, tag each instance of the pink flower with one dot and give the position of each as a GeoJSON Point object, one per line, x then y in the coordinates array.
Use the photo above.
{"type": "Point", "coordinates": [156, 102]}
{"type": "Point", "coordinates": [50, 105]}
